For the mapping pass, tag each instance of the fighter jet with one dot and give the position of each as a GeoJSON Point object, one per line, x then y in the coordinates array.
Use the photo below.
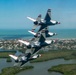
{"type": "Point", "coordinates": [43, 23]}
{"type": "Point", "coordinates": [22, 59]}
{"type": "Point", "coordinates": [37, 45]}
{"type": "Point", "coordinates": [32, 54]}
{"type": "Point", "coordinates": [40, 43]}
{"type": "Point", "coordinates": [47, 33]}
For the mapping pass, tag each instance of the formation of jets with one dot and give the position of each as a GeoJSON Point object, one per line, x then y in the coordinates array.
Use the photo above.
{"type": "Point", "coordinates": [35, 45]}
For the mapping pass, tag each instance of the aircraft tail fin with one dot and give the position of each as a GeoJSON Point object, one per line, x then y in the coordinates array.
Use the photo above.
{"type": "Point", "coordinates": [36, 23]}
{"type": "Point", "coordinates": [38, 18]}
{"type": "Point", "coordinates": [48, 15]}
{"type": "Point", "coordinates": [42, 38]}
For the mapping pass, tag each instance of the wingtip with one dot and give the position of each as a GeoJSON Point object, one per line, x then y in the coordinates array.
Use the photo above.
{"type": "Point", "coordinates": [27, 16]}
{"type": "Point", "coordinates": [10, 55]}
{"type": "Point", "coordinates": [32, 32]}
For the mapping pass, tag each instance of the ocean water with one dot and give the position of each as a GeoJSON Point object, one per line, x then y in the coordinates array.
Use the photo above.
{"type": "Point", "coordinates": [65, 33]}
{"type": "Point", "coordinates": [23, 33]}
{"type": "Point", "coordinates": [14, 33]}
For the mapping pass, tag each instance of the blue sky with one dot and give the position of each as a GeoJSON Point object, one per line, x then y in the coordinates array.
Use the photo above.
{"type": "Point", "coordinates": [13, 13]}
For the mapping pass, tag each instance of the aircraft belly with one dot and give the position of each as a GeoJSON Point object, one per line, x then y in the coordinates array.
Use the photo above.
{"type": "Point", "coordinates": [48, 35]}
{"type": "Point", "coordinates": [45, 44]}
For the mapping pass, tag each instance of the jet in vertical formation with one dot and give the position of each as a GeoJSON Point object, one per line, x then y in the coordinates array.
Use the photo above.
{"type": "Point", "coordinates": [43, 23]}
{"type": "Point", "coordinates": [39, 39]}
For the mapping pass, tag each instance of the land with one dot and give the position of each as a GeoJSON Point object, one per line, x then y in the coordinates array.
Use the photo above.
{"type": "Point", "coordinates": [5, 54]}
{"type": "Point", "coordinates": [47, 55]}
{"type": "Point", "coordinates": [56, 54]}
{"type": "Point", "coordinates": [62, 48]}
{"type": "Point", "coordinates": [14, 70]}
{"type": "Point", "coordinates": [65, 69]}
{"type": "Point", "coordinates": [60, 44]}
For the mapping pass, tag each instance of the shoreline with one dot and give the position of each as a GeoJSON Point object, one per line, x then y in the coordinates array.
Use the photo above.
{"type": "Point", "coordinates": [50, 38]}
{"type": "Point", "coordinates": [45, 56]}
{"type": "Point", "coordinates": [64, 69]}
{"type": "Point", "coordinates": [55, 54]}
{"type": "Point", "coordinates": [26, 38]}
{"type": "Point", "coordinates": [14, 70]}
{"type": "Point", "coordinates": [5, 54]}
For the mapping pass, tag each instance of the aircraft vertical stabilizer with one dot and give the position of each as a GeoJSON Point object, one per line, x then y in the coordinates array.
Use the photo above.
{"type": "Point", "coordinates": [48, 15]}
{"type": "Point", "coordinates": [42, 38]}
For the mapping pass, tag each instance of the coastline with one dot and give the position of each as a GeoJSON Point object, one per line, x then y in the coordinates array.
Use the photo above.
{"type": "Point", "coordinates": [14, 70]}
{"type": "Point", "coordinates": [24, 34]}
{"type": "Point", "coordinates": [53, 54]}
{"type": "Point", "coordinates": [64, 69]}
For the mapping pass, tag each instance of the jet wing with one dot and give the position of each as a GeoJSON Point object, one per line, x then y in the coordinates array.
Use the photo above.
{"type": "Point", "coordinates": [13, 56]}
{"type": "Point", "coordinates": [22, 63]}
{"type": "Point", "coordinates": [32, 32]}
{"type": "Point", "coordinates": [34, 27]}
{"type": "Point", "coordinates": [28, 55]}
{"type": "Point", "coordinates": [48, 33]}
{"type": "Point", "coordinates": [42, 27]}
{"type": "Point", "coordinates": [48, 16]}
{"type": "Point", "coordinates": [24, 42]}
{"type": "Point", "coordinates": [36, 50]}
{"type": "Point", "coordinates": [38, 20]}
{"type": "Point", "coordinates": [31, 19]}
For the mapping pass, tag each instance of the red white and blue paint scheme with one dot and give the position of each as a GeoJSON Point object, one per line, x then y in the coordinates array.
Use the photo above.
{"type": "Point", "coordinates": [43, 23]}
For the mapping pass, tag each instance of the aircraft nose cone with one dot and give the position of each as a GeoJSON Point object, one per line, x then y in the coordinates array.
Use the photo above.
{"type": "Point", "coordinates": [55, 41]}
{"type": "Point", "coordinates": [59, 23]}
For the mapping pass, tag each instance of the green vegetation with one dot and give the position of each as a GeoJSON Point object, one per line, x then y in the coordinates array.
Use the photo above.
{"type": "Point", "coordinates": [49, 55]}
{"type": "Point", "coordinates": [9, 59]}
{"type": "Point", "coordinates": [55, 54]}
{"type": "Point", "coordinates": [65, 69]}
{"type": "Point", "coordinates": [5, 54]}
{"type": "Point", "coordinates": [14, 70]}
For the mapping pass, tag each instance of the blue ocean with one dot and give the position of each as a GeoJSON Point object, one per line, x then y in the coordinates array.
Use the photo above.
{"type": "Point", "coordinates": [24, 34]}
